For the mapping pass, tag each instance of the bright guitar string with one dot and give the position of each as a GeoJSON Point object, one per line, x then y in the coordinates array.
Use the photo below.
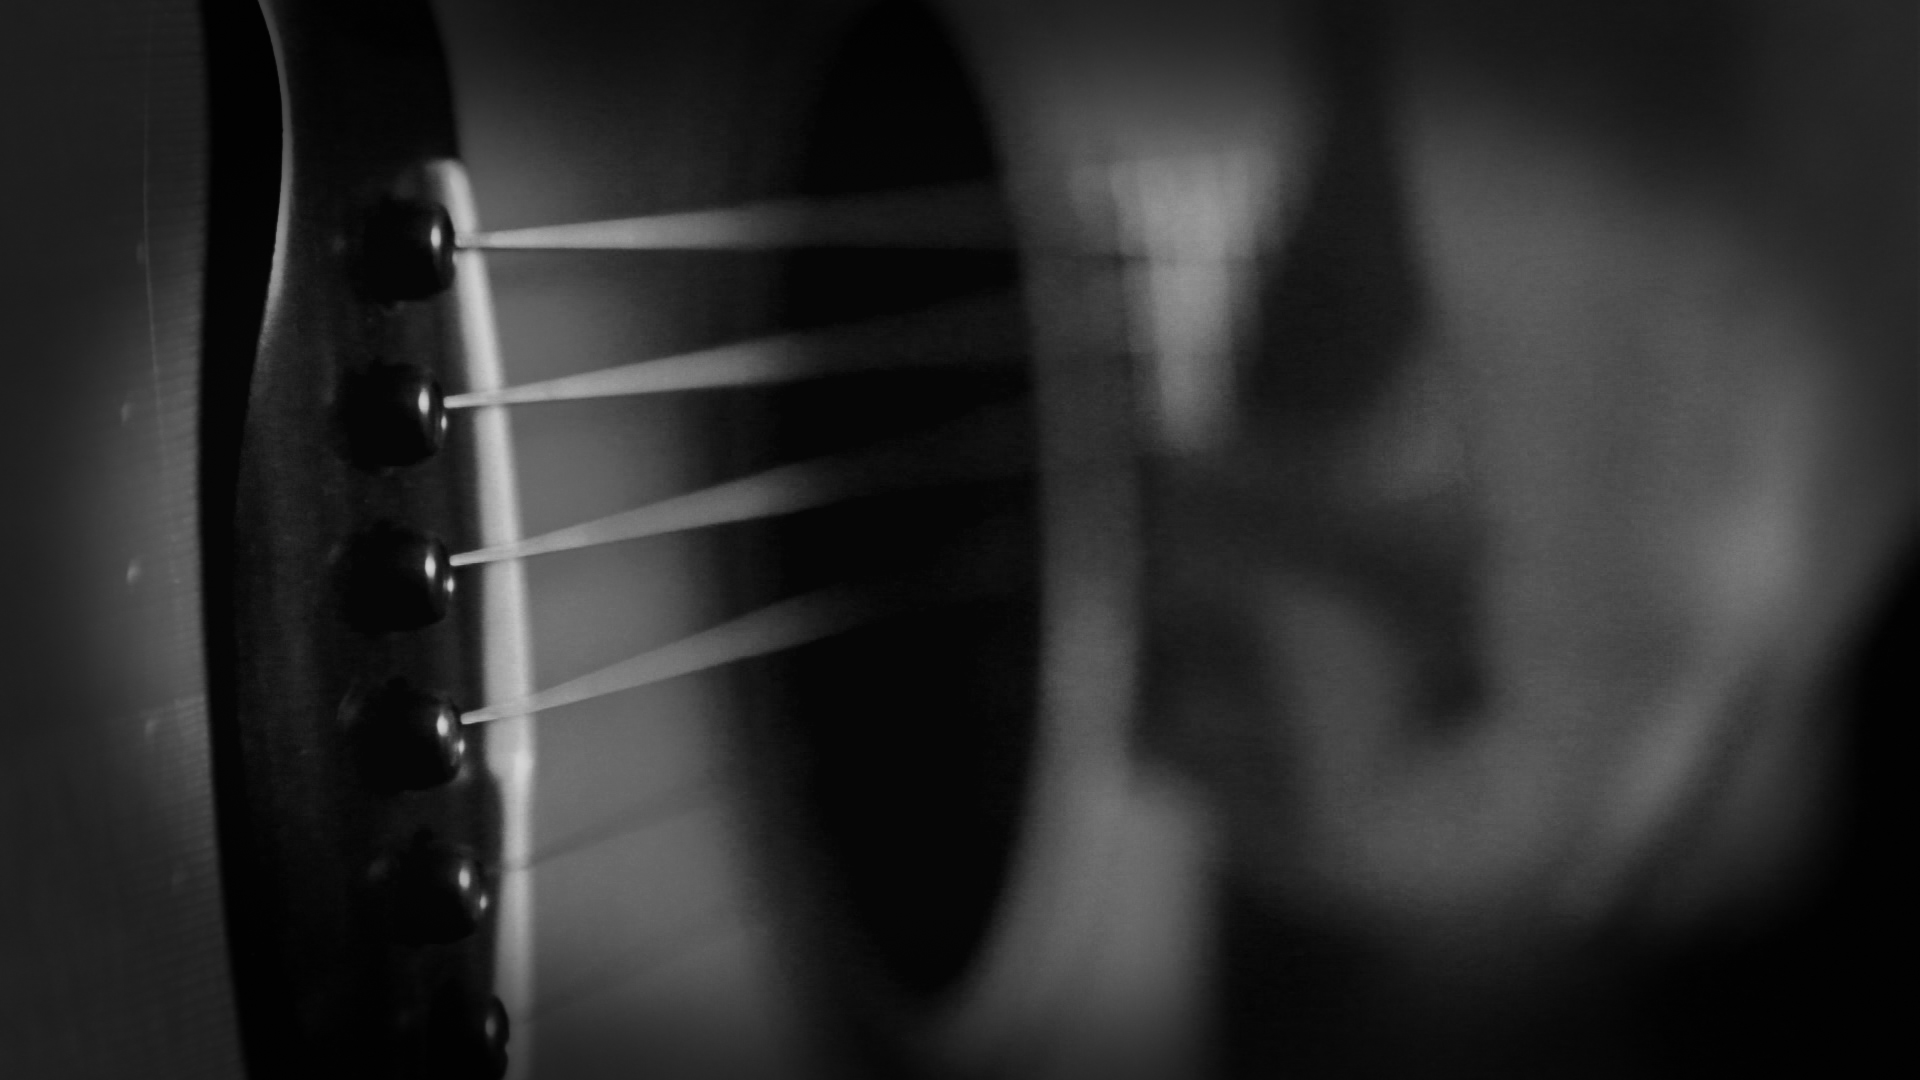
{"type": "Point", "coordinates": [982, 446]}
{"type": "Point", "coordinates": [958, 218]}
{"type": "Point", "coordinates": [964, 218]}
{"type": "Point", "coordinates": [774, 628]}
{"type": "Point", "coordinates": [980, 331]}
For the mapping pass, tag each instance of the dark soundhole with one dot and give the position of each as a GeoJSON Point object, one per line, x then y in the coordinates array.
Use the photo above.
{"type": "Point", "coordinates": [905, 745]}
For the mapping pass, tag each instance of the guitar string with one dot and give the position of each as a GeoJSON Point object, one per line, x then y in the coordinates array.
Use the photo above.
{"type": "Point", "coordinates": [957, 221]}
{"type": "Point", "coordinates": [980, 447]}
{"type": "Point", "coordinates": [774, 628]}
{"type": "Point", "coordinates": [961, 217]}
{"type": "Point", "coordinates": [977, 331]}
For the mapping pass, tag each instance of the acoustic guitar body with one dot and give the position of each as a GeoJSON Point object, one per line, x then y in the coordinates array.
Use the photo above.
{"type": "Point", "coordinates": [246, 833]}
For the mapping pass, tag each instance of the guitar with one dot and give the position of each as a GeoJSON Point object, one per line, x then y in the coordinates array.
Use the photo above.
{"type": "Point", "coordinates": [353, 704]}
{"type": "Point", "coordinates": [1403, 410]}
